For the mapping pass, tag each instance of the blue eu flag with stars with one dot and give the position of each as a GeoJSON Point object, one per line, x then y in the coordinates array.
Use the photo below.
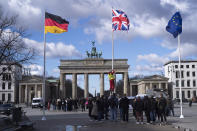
{"type": "Point", "coordinates": [175, 25]}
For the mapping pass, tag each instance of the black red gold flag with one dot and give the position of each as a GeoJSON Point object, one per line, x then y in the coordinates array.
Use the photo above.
{"type": "Point", "coordinates": [55, 24]}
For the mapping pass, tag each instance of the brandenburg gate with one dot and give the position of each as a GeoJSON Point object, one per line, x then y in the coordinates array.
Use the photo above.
{"type": "Point", "coordinates": [94, 64]}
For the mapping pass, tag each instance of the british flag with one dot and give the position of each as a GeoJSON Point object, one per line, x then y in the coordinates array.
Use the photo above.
{"type": "Point", "coordinates": [120, 20]}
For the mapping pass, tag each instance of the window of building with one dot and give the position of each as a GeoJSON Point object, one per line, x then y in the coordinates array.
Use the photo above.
{"type": "Point", "coordinates": [3, 78]}
{"type": "Point", "coordinates": [9, 85]}
{"type": "Point", "coordinates": [4, 69]}
{"type": "Point", "coordinates": [182, 83]}
{"type": "Point", "coordinates": [194, 83]}
{"type": "Point", "coordinates": [188, 94]}
{"type": "Point", "coordinates": [187, 66]}
{"type": "Point", "coordinates": [177, 74]}
{"type": "Point", "coordinates": [183, 94]}
{"type": "Point", "coordinates": [9, 96]}
{"type": "Point", "coordinates": [193, 74]}
{"type": "Point", "coordinates": [193, 66]}
{"type": "Point", "coordinates": [177, 83]}
{"type": "Point", "coordinates": [188, 83]}
{"type": "Point", "coordinates": [3, 86]}
{"type": "Point", "coordinates": [181, 66]}
{"type": "Point", "coordinates": [194, 93]}
{"type": "Point", "coordinates": [176, 66]}
{"type": "Point", "coordinates": [3, 97]}
{"type": "Point", "coordinates": [182, 74]}
{"type": "Point", "coordinates": [9, 68]}
{"type": "Point", "coordinates": [188, 73]}
{"type": "Point", "coordinates": [9, 77]}
{"type": "Point", "coordinates": [177, 94]}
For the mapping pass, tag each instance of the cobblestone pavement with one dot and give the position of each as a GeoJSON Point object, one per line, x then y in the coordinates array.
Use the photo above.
{"type": "Point", "coordinates": [189, 122]}
{"type": "Point", "coordinates": [61, 121]}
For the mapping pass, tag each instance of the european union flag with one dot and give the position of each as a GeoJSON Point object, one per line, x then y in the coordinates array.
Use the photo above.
{"type": "Point", "coordinates": [175, 25]}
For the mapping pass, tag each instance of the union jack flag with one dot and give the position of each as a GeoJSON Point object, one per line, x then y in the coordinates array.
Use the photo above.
{"type": "Point", "coordinates": [120, 20]}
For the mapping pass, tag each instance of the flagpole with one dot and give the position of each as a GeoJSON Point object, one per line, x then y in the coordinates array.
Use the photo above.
{"type": "Point", "coordinates": [112, 50]}
{"type": "Point", "coordinates": [44, 84]}
{"type": "Point", "coordinates": [181, 102]}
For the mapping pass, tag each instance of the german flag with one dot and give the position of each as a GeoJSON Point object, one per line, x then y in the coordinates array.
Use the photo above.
{"type": "Point", "coordinates": [55, 24]}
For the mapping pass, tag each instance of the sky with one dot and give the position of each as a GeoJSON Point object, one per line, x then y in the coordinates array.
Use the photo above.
{"type": "Point", "coordinates": [147, 45]}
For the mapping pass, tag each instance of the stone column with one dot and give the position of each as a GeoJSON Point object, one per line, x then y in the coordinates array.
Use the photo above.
{"type": "Point", "coordinates": [42, 91]}
{"type": "Point", "coordinates": [26, 93]}
{"type": "Point", "coordinates": [151, 85]}
{"type": "Point", "coordinates": [131, 90]}
{"type": "Point", "coordinates": [101, 84]}
{"type": "Point", "coordinates": [166, 85]}
{"type": "Point", "coordinates": [62, 80]}
{"type": "Point", "coordinates": [20, 93]}
{"type": "Point", "coordinates": [125, 83]}
{"type": "Point", "coordinates": [86, 89]}
{"type": "Point", "coordinates": [144, 88]}
{"type": "Point", "coordinates": [36, 90]}
{"type": "Point", "coordinates": [74, 86]}
{"type": "Point", "coordinates": [29, 93]}
{"type": "Point", "coordinates": [159, 85]}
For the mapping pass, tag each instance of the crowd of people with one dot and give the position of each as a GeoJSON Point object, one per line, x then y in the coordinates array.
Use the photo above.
{"type": "Point", "coordinates": [113, 108]}
{"type": "Point", "coordinates": [154, 109]}
{"type": "Point", "coordinates": [68, 104]}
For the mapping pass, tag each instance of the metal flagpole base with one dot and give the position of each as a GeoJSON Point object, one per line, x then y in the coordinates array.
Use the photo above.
{"type": "Point", "coordinates": [181, 116]}
{"type": "Point", "coordinates": [43, 118]}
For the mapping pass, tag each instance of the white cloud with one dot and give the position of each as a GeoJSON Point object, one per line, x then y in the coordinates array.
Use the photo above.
{"type": "Point", "coordinates": [153, 58]}
{"type": "Point", "coordinates": [147, 25]}
{"type": "Point", "coordinates": [56, 70]}
{"type": "Point", "coordinates": [102, 32]}
{"type": "Point", "coordinates": [187, 50]}
{"type": "Point", "coordinates": [147, 70]}
{"type": "Point", "coordinates": [35, 69]}
{"type": "Point", "coordinates": [24, 8]}
{"type": "Point", "coordinates": [54, 50]}
{"type": "Point", "coordinates": [148, 18]}
{"type": "Point", "coordinates": [179, 5]}
{"type": "Point", "coordinates": [151, 68]}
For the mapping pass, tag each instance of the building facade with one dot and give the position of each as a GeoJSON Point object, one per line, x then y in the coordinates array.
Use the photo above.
{"type": "Point", "coordinates": [32, 87]}
{"type": "Point", "coordinates": [151, 85]}
{"type": "Point", "coordinates": [10, 75]}
{"type": "Point", "coordinates": [188, 79]}
{"type": "Point", "coordinates": [89, 66]}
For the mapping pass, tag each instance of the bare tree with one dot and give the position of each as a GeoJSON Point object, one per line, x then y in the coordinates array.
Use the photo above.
{"type": "Point", "coordinates": [13, 50]}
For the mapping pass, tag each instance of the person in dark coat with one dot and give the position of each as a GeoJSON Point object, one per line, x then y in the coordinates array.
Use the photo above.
{"type": "Point", "coordinates": [139, 106]}
{"type": "Point", "coordinates": [113, 104]}
{"type": "Point", "coordinates": [106, 107]}
{"type": "Point", "coordinates": [171, 106]}
{"type": "Point", "coordinates": [153, 109]}
{"type": "Point", "coordinates": [147, 108]}
{"type": "Point", "coordinates": [134, 110]}
{"type": "Point", "coordinates": [90, 106]}
{"type": "Point", "coordinates": [125, 108]}
{"type": "Point", "coordinates": [82, 102]}
{"type": "Point", "coordinates": [120, 108]}
{"type": "Point", "coordinates": [100, 107]}
{"type": "Point", "coordinates": [162, 103]}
